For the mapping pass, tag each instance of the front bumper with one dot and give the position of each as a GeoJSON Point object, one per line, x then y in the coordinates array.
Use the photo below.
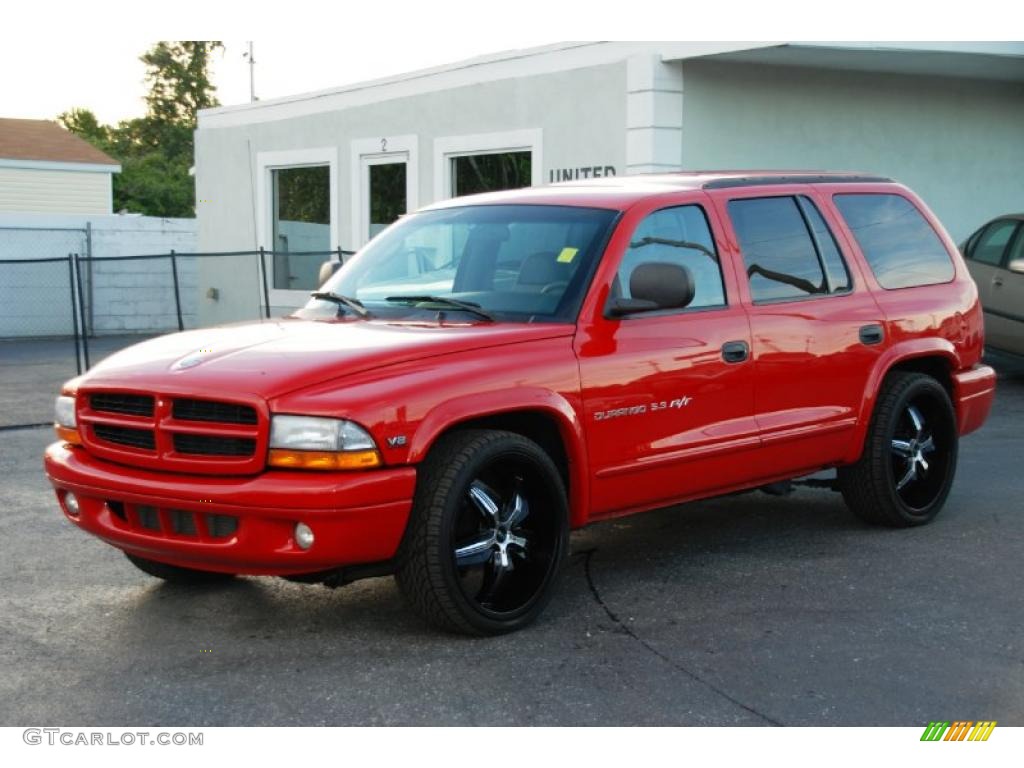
{"type": "Point", "coordinates": [356, 517]}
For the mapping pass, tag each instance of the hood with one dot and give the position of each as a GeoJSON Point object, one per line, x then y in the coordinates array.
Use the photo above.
{"type": "Point", "coordinates": [272, 358]}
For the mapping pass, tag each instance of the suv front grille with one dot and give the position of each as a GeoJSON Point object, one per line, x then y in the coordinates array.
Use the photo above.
{"type": "Point", "coordinates": [133, 438]}
{"type": "Point", "coordinates": [211, 445]}
{"type": "Point", "coordinates": [172, 432]}
{"type": "Point", "coordinates": [115, 402]}
{"type": "Point", "coordinates": [208, 410]}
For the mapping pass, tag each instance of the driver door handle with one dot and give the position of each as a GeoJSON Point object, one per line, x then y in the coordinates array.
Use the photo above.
{"type": "Point", "coordinates": [735, 351]}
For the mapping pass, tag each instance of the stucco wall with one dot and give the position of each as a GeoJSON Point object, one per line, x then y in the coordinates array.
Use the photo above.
{"type": "Point", "coordinates": [43, 190]}
{"type": "Point", "coordinates": [581, 112]}
{"type": "Point", "coordinates": [958, 143]}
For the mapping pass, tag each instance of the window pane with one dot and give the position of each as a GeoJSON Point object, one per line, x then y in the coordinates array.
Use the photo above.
{"type": "Point", "coordinates": [302, 222]}
{"type": "Point", "coordinates": [676, 236]}
{"type": "Point", "coordinates": [838, 274]}
{"type": "Point", "coordinates": [1017, 250]}
{"type": "Point", "coordinates": [387, 195]}
{"type": "Point", "coordinates": [777, 250]}
{"type": "Point", "coordinates": [993, 241]}
{"type": "Point", "coordinates": [489, 173]}
{"type": "Point", "coordinates": [898, 243]}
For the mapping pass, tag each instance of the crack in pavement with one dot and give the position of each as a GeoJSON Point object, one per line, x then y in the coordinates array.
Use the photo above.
{"type": "Point", "coordinates": [587, 555]}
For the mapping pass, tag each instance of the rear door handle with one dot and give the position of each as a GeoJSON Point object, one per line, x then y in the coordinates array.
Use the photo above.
{"type": "Point", "coordinates": [997, 281]}
{"type": "Point", "coordinates": [871, 334]}
{"type": "Point", "coordinates": [735, 351]}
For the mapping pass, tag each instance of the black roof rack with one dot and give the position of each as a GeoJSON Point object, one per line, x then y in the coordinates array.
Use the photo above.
{"type": "Point", "coordinates": [749, 181]}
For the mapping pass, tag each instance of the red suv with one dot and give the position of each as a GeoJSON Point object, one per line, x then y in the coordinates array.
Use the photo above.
{"type": "Point", "coordinates": [493, 371]}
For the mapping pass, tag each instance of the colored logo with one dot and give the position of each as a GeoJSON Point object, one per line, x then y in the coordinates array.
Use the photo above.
{"type": "Point", "coordinates": [961, 730]}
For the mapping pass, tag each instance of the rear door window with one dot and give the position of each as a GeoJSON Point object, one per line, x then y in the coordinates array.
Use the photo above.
{"type": "Point", "coordinates": [897, 241]}
{"type": "Point", "coordinates": [788, 250]}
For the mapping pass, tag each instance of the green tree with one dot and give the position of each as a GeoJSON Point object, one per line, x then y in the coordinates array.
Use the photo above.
{"type": "Point", "coordinates": [156, 150]}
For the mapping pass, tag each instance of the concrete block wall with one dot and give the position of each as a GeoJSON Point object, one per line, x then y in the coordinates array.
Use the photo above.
{"type": "Point", "coordinates": [127, 296]}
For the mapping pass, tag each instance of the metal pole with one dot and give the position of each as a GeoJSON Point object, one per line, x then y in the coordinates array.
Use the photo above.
{"type": "Point", "coordinates": [177, 293]}
{"type": "Point", "coordinates": [266, 288]}
{"type": "Point", "coordinates": [252, 74]}
{"type": "Point", "coordinates": [88, 266]}
{"type": "Point", "coordinates": [74, 314]}
{"type": "Point", "coordinates": [81, 308]}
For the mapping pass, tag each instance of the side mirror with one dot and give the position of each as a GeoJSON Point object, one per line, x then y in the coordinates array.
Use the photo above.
{"type": "Point", "coordinates": [327, 269]}
{"type": "Point", "coordinates": [656, 285]}
{"type": "Point", "coordinates": [1016, 265]}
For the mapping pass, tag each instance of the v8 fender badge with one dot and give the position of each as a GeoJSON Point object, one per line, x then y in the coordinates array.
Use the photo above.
{"type": "Point", "coordinates": [638, 410]}
{"type": "Point", "coordinates": [396, 442]}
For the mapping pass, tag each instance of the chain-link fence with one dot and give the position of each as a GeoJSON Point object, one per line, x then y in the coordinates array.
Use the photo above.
{"type": "Point", "coordinates": [60, 314]}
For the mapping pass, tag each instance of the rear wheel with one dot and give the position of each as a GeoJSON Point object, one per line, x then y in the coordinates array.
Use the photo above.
{"type": "Point", "coordinates": [175, 574]}
{"type": "Point", "coordinates": [487, 534]}
{"type": "Point", "coordinates": [906, 470]}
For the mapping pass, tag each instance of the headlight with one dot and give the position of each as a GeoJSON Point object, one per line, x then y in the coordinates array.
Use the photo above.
{"type": "Point", "coordinates": [64, 412]}
{"type": "Point", "coordinates": [64, 421]}
{"type": "Point", "coordinates": [311, 442]}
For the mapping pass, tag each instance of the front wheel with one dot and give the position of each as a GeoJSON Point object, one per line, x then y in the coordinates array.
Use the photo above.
{"type": "Point", "coordinates": [487, 534]}
{"type": "Point", "coordinates": [906, 470]}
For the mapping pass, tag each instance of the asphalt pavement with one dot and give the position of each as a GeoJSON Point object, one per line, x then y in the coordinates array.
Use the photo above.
{"type": "Point", "coordinates": [747, 610]}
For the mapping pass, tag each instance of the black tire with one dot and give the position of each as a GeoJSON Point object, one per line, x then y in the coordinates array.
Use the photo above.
{"type": "Point", "coordinates": [175, 574]}
{"type": "Point", "coordinates": [907, 467]}
{"type": "Point", "coordinates": [487, 535]}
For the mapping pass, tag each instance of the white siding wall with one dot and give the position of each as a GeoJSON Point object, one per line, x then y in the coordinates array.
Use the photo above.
{"type": "Point", "coordinates": [45, 190]}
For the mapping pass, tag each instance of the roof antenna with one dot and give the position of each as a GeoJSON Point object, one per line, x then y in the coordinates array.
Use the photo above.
{"type": "Point", "coordinates": [252, 72]}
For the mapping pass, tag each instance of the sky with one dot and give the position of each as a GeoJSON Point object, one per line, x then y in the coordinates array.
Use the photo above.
{"type": "Point", "coordinates": [109, 78]}
{"type": "Point", "coordinates": [86, 53]}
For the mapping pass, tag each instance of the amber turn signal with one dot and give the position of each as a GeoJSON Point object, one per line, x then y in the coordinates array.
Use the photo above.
{"type": "Point", "coordinates": [68, 434]}
{"type": "Point", "coordinates": [324, 459]}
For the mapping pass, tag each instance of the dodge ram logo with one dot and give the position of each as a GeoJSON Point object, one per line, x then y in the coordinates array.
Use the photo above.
{"type": "Point", "coordinates": [191, 360]}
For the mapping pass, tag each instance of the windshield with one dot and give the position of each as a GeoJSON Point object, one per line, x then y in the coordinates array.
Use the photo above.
{"type": "Point", "coordinates": [513, 262]}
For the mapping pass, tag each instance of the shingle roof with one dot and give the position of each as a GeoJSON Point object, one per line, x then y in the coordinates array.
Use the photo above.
{"type": "Point", "coordinates": [44, 140]}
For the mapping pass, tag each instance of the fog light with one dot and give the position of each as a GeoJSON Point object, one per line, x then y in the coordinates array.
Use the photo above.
{"type": "Point", "coordinates": [303, 536]}
{"type": "Point", "coordinates": [71, 504]}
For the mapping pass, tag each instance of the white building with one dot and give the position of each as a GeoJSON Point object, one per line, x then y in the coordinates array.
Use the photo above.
{"type": "Point", "coordinates": [46, 169]}
{"type": "Point", "coordinates": [325, 170]}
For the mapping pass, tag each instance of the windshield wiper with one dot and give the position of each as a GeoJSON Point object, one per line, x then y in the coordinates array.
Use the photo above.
{"type": "Point", "coordinates": [465, 306]}
{"type": "Point", "coordinates": [353, 305]}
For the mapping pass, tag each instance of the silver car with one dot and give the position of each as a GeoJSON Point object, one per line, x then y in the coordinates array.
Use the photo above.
{"type": "Point", "coordinates": [995, 257]}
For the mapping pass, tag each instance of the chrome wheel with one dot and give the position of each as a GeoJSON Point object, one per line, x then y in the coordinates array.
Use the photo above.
{"type": "Point", "coordinates": [920, 455]}
{"type": "Point", "coordinates": [503, 548]}
{"type": "Point", "coordinates": [488, 531]}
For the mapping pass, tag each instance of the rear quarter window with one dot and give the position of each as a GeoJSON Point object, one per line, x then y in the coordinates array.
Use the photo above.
{"type": "Point", "coordinates": [899, 244]}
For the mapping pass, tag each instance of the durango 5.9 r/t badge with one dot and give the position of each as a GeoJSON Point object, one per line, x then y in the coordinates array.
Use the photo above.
{"type": "Point", "coordinates": [637, 410]}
